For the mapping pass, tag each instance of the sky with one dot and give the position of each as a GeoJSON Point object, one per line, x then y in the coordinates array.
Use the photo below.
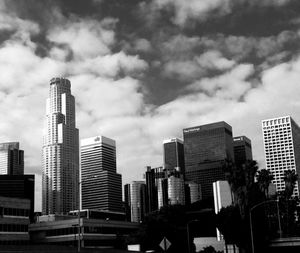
{"type": "Point", "coordinates": [142, 70]}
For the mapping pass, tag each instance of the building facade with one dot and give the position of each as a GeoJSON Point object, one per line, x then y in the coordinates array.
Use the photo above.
{"type": "Point", "coordinates": [151, 187]}
{"type": "Point", "coordinates": [60, 151]}
{"type": "Point", "coordinates": [11, 159]}
{"type": "Point", "coordinates": [20, 187]}
{"type": "Point", "coordinates": [206, 148]}
{"type": "Point", "coordinates": [174, 154]}
{"type": "Point", "coordinates": [242, 149]}
{"type": "Point", "coordinates": [14, 221]}
{"type": "Point", "coordinates": [137, 201]}
{"type": "Point", "coordinates": [282, 149]}
{"type": "Point", "coordinates": [222, 198]}
{"type": "Point", "coordinates": [100, 183]}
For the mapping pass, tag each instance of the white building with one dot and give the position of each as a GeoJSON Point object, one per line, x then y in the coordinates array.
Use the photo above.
{"type": "Point", "coordinates": [282, 148]}
{"type": "Point", "coordinates": [222, 198]}
{"type": "Point", "coordinates": [60, 158]}
{"type": "Point", "coordinates": [100, 182]}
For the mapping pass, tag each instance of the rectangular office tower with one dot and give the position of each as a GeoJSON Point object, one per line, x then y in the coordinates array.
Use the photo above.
{"type": "Point", "coordinates": [101, 184]}
{"type": "Point", "coordinates": [282, 148]}
{"type": "Point", "coordinates": [206, 148]}
{"type": "Point", "coordinates": [11, 159]}
{"type": "Point", "coordinates": [60, 157]}
{"type": "Point", "coordinates": [174, 154]}
{"type": "Point", "coordinates": [242, 149]}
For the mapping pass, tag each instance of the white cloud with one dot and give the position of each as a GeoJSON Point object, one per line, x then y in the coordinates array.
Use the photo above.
{"type": "Point", "coordinates": [86, 38]}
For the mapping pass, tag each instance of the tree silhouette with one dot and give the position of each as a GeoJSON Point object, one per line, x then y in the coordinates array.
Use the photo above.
{"type": "Point", "coordinates": [264, 179]}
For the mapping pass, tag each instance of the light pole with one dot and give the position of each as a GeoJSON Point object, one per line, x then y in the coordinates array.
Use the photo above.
{"type": "Point", "coordinates": [188, 234]}
{"type": "Point", "coordinates": [78, 245]}
{"type": "Point", "coordinates": [278, 216]}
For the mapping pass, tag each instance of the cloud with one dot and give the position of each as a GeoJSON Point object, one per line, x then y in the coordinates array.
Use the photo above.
{"type": "Point", "coordinates": [86, 38]}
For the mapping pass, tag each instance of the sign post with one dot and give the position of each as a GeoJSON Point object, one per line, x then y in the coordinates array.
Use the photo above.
{"type": "Point", "coordinates": [165, 244]}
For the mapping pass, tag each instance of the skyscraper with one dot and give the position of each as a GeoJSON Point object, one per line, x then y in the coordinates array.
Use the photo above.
{"type": "Point", "coordinates": [11, 159]}
{"type": "Point", "coordinates": [60, 150]}
{"type": "Point", "coordinates": [152, 203]}
{"type": "Point", "coordinates": [282, 149]}
{"type": "Point", "coordinates": [101, 184]}
{"type": "Point", "coordinates": [174, 154]}
{"type": "Point", "coordinates": [242, 149]}
{"type": "Point", "coordinates": [206, 147]}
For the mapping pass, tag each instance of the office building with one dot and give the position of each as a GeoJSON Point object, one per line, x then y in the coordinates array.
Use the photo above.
{"type": "Point", "coordinates": [60, 157]}
{"type": "Point", "coordinates": [11, 159]}
{"type": "Point", "coordinates": [137, 200]}
{"type": "Point", "coordinates": [176, 195]}
{"type": "Point", "coordinates": [20, 187]}
{"type": "Point", "coordinates": [174, 154]}
{"type": "Point", "coordinates": [101, 184]}
{"type": "Point", "coordinates": [14, 221]}
{"type": "Point", "coordinates": [206, 148]}
{"type": "Point", "coordinates": [127, 202]}
{"type": "Point", "coordinates": [170, 186]}
{"type": "Point", "coordinates": [97, 230]}
{"type": "Point", "coordinates": [222, 198]}
{"type": "Point", "coordinates": [242, 149]}
{"type": "Point", "coordinates": [152, 204]}
{"type": "Point", "coordinates": [282, 149]}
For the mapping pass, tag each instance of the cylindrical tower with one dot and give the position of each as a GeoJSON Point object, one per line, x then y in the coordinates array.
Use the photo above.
{"type": "Point", "coordinates": [60, 160]}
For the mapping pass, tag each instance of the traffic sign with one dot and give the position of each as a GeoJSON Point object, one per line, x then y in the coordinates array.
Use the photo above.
{"type": "Point", "coordinates": [165, 244]}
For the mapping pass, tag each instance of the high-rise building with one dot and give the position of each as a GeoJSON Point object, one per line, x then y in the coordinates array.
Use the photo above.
{"type": "Point", "coordinates": [60, 150]}
{"type": "Point", "coordinates": [152, 204]}
{"type": "Point", "coordinates": [282, 149]}
{"type": "Point", "coordinates": [206, 148]}
{"type": "Point", "coordinates": [11, 159]}
{"type": "Point", "coordinates": [101, 184]}
{"type": "Point", "coordinates": [137, 191]}
{"type": "Point", "coordinates": [174, 154]}
{"type": "Point", "coordinates": [242, 149]}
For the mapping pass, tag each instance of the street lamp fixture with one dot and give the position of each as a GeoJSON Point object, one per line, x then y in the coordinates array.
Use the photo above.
{"type": "Point", "coordinates": [250, 214]}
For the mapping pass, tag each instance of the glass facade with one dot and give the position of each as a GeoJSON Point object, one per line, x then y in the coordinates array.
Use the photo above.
{"type": "Point", "coordinates": [174, 154]}
{"type": "Point", "coordinates": [206, 147]}
{"type": "Point", "coordinates": [11, 159]}
{"type": "Point", "coordinates": [242, 149]}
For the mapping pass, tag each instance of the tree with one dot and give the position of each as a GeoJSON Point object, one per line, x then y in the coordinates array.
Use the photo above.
{"type": "Point", "coordinates": [290, 178]}
{"type": "Point", "coordinates": [264, 179]}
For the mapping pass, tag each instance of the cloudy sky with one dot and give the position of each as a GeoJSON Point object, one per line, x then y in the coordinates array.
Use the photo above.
{"type": "Point", "coordinates": [141, 71]}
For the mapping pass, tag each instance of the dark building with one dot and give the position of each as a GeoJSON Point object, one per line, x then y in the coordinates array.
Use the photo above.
{"type": "Point", "coordinates": [101, 184]}
{"type": "Point", "coordinates": [174, 154]}
{"type": "Point", "coordinates": [18, 186]}
{"type": "Point", "coordinates": [11, 159]}
{"type": "Point", "coordinates": [242, 149]}
{"type": "Point", "coordinates": [151, 190]}
{"type": "Point", "coordinates": [206, 148]}
{"type": "Point", "coordinates": [127, 202]}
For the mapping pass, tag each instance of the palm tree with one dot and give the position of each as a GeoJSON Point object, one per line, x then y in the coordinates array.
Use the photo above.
{"type": "Point", "coordinates": [290, 178]}
{"type": "Point", "coordinates": [264, 179]}
{"type": "Point", "coordinates": [241, 181]}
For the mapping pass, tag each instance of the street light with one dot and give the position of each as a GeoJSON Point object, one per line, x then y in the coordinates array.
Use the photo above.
{"type": "Point", "coordinates": [278, 216]}
{"type": "Point", "coordinates": [188, 233]}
